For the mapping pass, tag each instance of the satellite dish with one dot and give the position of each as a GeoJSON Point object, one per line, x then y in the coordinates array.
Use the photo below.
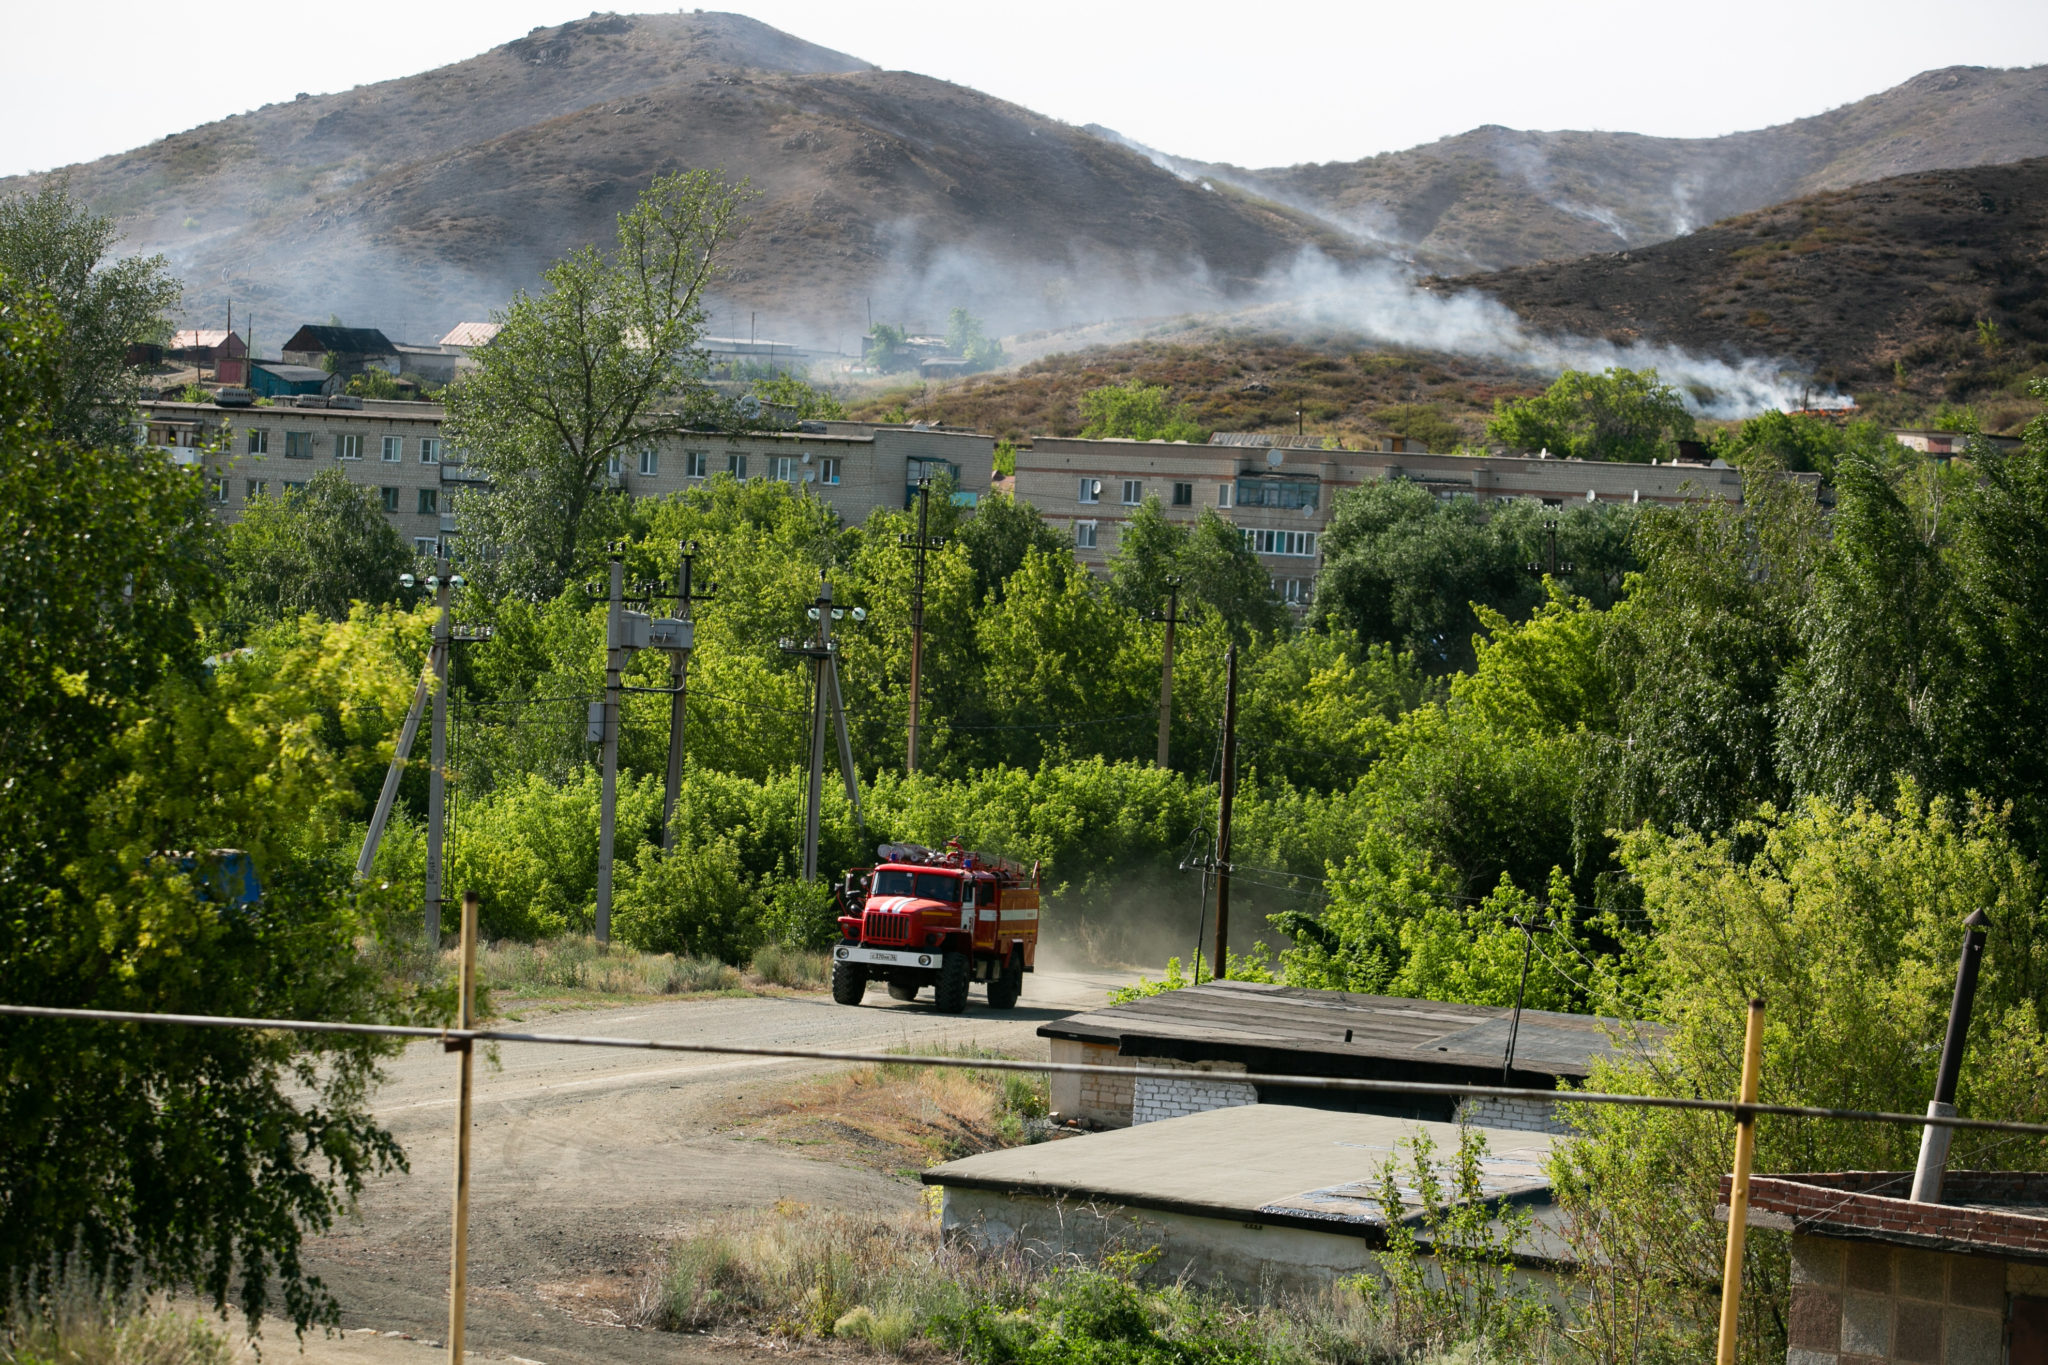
{"type": "Point", "coordinates": [809, 474]}
{"type": "Point", "coordinates": [804, 457]}
{"type": "Point", "coordinates": [750, 406]}
{"type": "Point", "coordinates": [1273, 457]}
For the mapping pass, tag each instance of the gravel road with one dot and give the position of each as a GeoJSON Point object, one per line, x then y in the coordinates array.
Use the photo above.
{"type": "Point", "coordinates": [586, 1159]}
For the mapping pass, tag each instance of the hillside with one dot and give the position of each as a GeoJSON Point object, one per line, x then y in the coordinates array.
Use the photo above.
{"type": "Point", "coordinates": [1496, 197]}
{"type": "Point", "coordinates": [413, 203]}
{"type": "Point", "coordinates": [1233, 378]}
{"type": "Point", "coordinates": [1909, 292]}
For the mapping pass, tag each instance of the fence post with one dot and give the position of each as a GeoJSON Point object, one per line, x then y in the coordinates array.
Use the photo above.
{"type": "Point", "coordinates": [458, 1277]}
{"type": "Point", "coordinates": [1738, 1192]}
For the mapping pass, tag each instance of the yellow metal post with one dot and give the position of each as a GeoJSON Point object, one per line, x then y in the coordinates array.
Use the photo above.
{"type": "Point", "coordinates": [1738, 1192]}
{"type": "Point", "coordinates": [458, 1279]}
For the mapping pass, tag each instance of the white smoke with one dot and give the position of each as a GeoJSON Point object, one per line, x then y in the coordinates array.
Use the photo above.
{"type": "Point", "coordinates": [1384, 304]}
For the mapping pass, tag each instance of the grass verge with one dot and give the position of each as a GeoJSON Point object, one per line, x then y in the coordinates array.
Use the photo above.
{"type": "Point", "coordinates": [71, 1326]}
{"type": "Point", "coordinates": [903, 1118]}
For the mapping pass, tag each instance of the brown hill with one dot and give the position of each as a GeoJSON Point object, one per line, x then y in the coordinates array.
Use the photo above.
{"type": "Point", "coordinates": [414, 203]}
{"type": "Point", "coordinates": [1907, 292]}
{"type": "Point", "coordinates": [1496, 197]}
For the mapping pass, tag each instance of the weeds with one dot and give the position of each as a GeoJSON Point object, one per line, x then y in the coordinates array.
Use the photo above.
{"type": "Point", "coordinates": [72, 1325]}
{"type": "Point", "coordinates": [801, 969]}
{"type": "Point", "coordinates": [580, 963]}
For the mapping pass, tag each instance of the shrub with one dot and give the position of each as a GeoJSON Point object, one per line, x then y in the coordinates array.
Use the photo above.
{"type": "Point", "coordinates": [690, 901]}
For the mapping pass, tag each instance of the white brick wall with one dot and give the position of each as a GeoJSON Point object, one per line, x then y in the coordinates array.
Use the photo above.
{"type": "Point", "coordinates": [1536, 1116]}
{"type": "Point", "coordinates": [1198, 1089]}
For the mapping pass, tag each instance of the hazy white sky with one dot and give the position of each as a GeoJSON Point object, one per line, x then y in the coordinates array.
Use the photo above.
{"type": "Point", "coordinates": [1257, 84]}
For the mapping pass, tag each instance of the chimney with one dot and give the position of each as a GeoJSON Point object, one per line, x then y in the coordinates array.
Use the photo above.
{"type": "Point", "coordinates": [1934, 1139]}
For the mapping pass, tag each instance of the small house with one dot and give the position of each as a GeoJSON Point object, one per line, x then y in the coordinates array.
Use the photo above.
{"type": "Point", "coordinates": [215, 349]}
{"type": "Point", "coordinates": [274, 379]}
{"type": "Point", "coordinates": [343, 350]}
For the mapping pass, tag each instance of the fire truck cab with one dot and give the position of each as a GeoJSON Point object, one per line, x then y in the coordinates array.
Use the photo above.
{"type": "Point", "coordinates": [943, 919]}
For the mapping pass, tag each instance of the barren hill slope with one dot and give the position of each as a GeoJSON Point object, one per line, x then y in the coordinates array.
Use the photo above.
{"type": "Point", "coordinates": [1496, 197]}
{"type": "Point", "coordinates": [1906, 292]}
{"type": "Point", "coordinates": [416, 202]}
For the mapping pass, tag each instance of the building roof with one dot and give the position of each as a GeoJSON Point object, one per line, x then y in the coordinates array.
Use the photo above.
{"type": "Point", "coordinates": [407, 348]}
{"type": "Point", "coordinates": [466, 334]}
{"type": "Point", "coordinates": [1981, 1213]}
{"type": "Point", "coordinates": [340, 340]}
{"type": "Point", "coordinates": [193, 338]}
{"type": "Point", "coordinates": [1266, 1163]}
{"type": "Point", "coordinates": [291, 374]}
{"type": "Point", "coordinates": [1292, 1030]}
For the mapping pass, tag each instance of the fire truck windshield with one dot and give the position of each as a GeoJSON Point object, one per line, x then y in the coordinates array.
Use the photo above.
{"type": "Point", "coordinates": [930, 886]}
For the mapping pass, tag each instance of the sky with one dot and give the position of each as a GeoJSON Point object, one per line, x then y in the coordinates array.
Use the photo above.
{"type": "Point", "coordinates": [1274, 83]}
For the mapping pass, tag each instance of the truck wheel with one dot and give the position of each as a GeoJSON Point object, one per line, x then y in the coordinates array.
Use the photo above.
{"type": "Point", "coordinates": [900, 991]}
{"type": "Point", "coordinates": [849, 982]}
{"type": "Point", "coordinates": [1006, 986]}
{"type": "Point", "coordinates": [950, 995]}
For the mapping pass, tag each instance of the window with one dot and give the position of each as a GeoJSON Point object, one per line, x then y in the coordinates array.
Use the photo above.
{"type": "Point", "coordinates": [389, 496]}
{"type": "Point", "coordinates": [394, 449]}
{"type": "Point", "coordinates": [426, 545]}
{"type": "Point", "coordinates": [217, 490]}
{"type": "Point", "coordinates": [782, 467]}
{"type": "Point", "coordinates": [1183, 495]}
{"type": "Point", "coordinates": [736, 465]}
{"type": "Point", "coordinates": [430, 450]}
{"type": "Point", "coordinates": [298, 445]}
{"type": "Point", "coordinates": [1134, 492]}
{"type": "Point", "coordinates": [1084, 535]}
{"type": "Point", "coordinates": [1301, 543]}
{"type": "Point", "coordinates": [1223, 495]}
{"type": "Point", "coordinates": [1295, 592]}
{"type": "Point", "coordinates": [430, 501]}
{"type": "Point", "coordinates": [1091, 490]}
{"type": "Point", "coordinates": [828, 469]}
{"type": "Point", "coordinates": [929, 886]}
{"type": "Point", "coordinates": [650, 463]}
{"type": "Point", "coordinates": [699, 463]}
{"type": "Point", "coordinates": [612, 464]}
{"type": "Point", "coordinates": [348, 445]}
{"type": "Point", "coordinates": [294, 485]}
{"type": "Point", "coordinates": [1292, 494]}
{"type": "Point", "coordinates": [253, 490]}
{"type": "Point", "coordinates": [259, 441]}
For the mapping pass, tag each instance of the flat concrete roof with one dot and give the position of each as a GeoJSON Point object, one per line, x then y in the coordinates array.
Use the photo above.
{"type": "Point", "coordinates": [1292, 1029]}
{"type": "Point", "coordinates": [1267, 1163]}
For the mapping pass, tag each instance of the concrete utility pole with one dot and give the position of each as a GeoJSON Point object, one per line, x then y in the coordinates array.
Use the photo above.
{"type": "Point", "coordinates": [437, 774]}
{"type": "Point", "coordinates": [367, 859]}
{"type": "Point", "coordinates": [827, 707]}
{"type": "Point", "coordinates": [1929, 1174]}
{"type": "Point", "coordinates": [1172, 619]}
{"type": "Point", "coordinates": [679, 678]}
{"type": "Point", "coordinates": [1220, 963]}
{"type": "Point", "coordinates": [1529, 932]}
{"type": "Point", "coordinates": [608, 802]}
{"type": "Point", "coordinates": [1537, 570]}
{"type": "Point", "coordinates": [919, 545]}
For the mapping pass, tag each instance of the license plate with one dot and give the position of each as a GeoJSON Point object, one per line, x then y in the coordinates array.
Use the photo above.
{"type": "Point", "coordinates": [885, 957]}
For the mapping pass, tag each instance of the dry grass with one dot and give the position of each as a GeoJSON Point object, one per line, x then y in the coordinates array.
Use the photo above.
{"type": "Point", "coordinates": [902, 1118]}
{"type": "Point", "coordinates": [72, 1326]}
{"type": "Point", "coordinates": [578, 966]}
{"type": "Point", "coordinates": [798, 969]}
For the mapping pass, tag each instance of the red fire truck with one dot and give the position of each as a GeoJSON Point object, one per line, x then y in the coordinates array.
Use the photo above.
{"type": "Point", "coordinates": [922, 917]}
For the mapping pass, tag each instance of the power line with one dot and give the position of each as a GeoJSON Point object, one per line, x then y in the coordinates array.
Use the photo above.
{"type": "Point", "coordinates": [459, 1036]}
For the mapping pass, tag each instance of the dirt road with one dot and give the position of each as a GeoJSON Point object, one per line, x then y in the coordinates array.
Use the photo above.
{"type": "Point", "coordinates": [586, 1159]}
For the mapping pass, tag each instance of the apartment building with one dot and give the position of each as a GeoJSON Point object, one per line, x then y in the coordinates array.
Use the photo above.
{"type": "Point", "coordinates": [1279, 494]}
{"type": "Point", "coordinates": [397, 449]}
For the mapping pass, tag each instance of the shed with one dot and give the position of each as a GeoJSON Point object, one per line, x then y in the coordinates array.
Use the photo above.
{"type": "Point", "coordinates": [1270, 1197]}
{"type": "Point", "coordinates": [1222, 1029]}
{"type": "Point", "coordinates": [270, 379]}
{"type": "Point", "coordinates": [1879, 1277]}
{"type": "Point", "coordinates": [434, 364]}
{"type": "Point", "coordinates": [468, 336]}
{"type": "Point", "coordinates": [216, 349]}
{"type": "Point", "coordinates": [346, 350]}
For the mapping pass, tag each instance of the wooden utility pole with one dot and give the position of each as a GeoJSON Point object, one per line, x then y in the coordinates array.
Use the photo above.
{"type": "Point", "coordinates": [437, 774]}
{"type": "Point", "coordinates": [679, 678]}
{"type": "Point", "coordinates": [1738, 1189]}
{"type": "Point", "coordinates": [919, 545]}
{"type": "Point", "coordinates": [1172, 619]}
{"type": "Point", "coordinates": [458, 1275]}
{"type": "Point", "coordinates": [1220, 963]}
{"type": "Point", "coordinates": [608, 801]}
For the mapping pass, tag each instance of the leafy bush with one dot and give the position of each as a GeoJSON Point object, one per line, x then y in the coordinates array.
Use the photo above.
{"type": "Point", "coordinates": [690, 901]}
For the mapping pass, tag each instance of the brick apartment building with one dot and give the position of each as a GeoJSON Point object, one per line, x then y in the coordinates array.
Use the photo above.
{"type": "Point", "coordinates": [397, 449]}
{"type": "Point", "coordinates": [1279, 494]}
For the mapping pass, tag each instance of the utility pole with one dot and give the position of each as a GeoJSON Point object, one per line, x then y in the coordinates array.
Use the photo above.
{"type": "Point", "coordinates": [437, 773]}
{"type": "Point", "coordinates": [608, 802]}
{"type": "Point", "coordinates": [919, 545]}
{"type": "Point", "coordinates": [1529, 932]}
{"type": "Point", "coordinates": [679, 677]}
{"type": "Point", "coordinates": [1172, 619]}
{"type": "Point", "coordinates": [1220, 963]}
{"type": "Point", "coordinates": [826, 707]}
{"type": "Point", "coordinates": [1537, 569]}
{"type": "Point", "coordinates": [1934, 1139]}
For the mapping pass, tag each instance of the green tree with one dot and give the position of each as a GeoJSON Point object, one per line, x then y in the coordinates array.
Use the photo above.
{"type": "Point", "coordinates": [594, 367]}
{"type": "Point", "coordinates": [1148, 553]}
{"type": "Point", "coordinates": [51, 246]}
{"type": "Point", "coordinates": [966, 339]}
{"type": "Point", "coordinates": [798, 399]}
{"type": "Point", "coordinates": [883, 350]}
{"type": "Point", "coordinates": [1137, 411]}
{"type": "Point", "coordinates": [999, 535]}
{"type": "Point", "coordinates": [1618, 415]}
{"type": "Point", "coordinates": [192, 1157]}
{"type": "Point", "coordinates": [1219, 571]}
{"type": "Point", "coordinates": [317, 548]}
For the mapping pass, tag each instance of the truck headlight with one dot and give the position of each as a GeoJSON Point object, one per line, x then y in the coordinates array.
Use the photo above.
{"type": "Point", "coordinates": [842, 952]}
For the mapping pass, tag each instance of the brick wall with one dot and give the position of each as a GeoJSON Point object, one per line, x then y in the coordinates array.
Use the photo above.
{"type": "Point", "coordinates": [1536, 1116]}
{"type": "Point", "coordinates": [1099, 1099]}
{"type": "Point", "coordinates": [1198, 1088]}
{"type": "Point", "coordinates": [1866, 1303]}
